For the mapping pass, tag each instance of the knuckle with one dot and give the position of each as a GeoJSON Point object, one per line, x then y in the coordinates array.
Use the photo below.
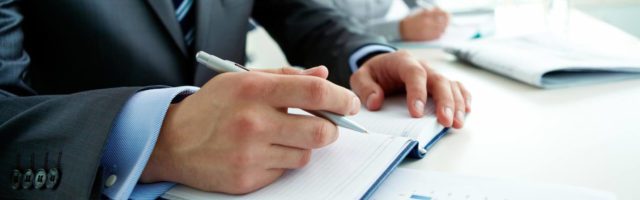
{"type": "Point", "coordinates": [254, 85]}
{"type": "Point", "coordinates": [247, 124]}
{"type": "Point", "coordinates": [458, 99]}
{"type": "Point", "coordinates": [403, 53]}
{"type": "Point", "coordinates": [323, 134]}
{"type": "Point", "coordinates": [304, 160]}
{"type": "Point", "coordinates": [417, 70]}
{"type": "Point", "coordinates": [355, 77]}
{"type": "Point", "coordinates": [318, 92]}
{"type": "Point", "coordinates": [438, 78]}
{"type": "Point", "coordinates": [424, 63]}
{"type": "Point", "coordinates": [462, 88]}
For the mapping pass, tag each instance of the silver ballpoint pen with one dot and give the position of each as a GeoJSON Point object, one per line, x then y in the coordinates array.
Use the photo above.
{"type": "Point", "coordinates": [221, 65]}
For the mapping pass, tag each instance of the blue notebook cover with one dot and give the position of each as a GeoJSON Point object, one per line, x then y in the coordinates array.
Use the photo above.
{"type": "Point", "coordinates": [412, 150]}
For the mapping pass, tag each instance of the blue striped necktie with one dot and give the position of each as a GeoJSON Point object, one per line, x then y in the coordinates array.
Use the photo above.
{"type": "Point", "coordinates": [186, 18]}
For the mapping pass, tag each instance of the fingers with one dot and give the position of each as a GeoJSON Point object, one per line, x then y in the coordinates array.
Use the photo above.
{"type": "Point", "coordinates": [466, 95]}
{"type": "Point", "coordinates": [304, 132]}
{"type": "Point", "coordinates": [363, 84]}
{"type": "Point", "coordinates": [308, 93]}
{"type": "Point", "coordinates": [281, 157]}
{"type": "Point", "coordinates": [415, 81]}
{"type": "Point", "coordinates": [440, 20]}
{"type": "Point", "coordinates": [440, 89]}
{"type": "Point", "coordinates": [283, 70]}
{"type": "Point", "coordinates": [460, 106]}
{"type": "Point", "coordinates": [319, 71]}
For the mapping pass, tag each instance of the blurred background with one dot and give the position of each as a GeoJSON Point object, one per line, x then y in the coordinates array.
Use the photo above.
{"type": "Point", "coordinates": [623, 14]}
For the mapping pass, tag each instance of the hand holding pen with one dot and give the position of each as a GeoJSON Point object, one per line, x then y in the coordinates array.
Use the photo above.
{"type": "Point", "coordinates": [236, 130]}
{"type": "Point", "coordinates": [427, 23]}
{"type": "Point", "coordinates": [221, 65]}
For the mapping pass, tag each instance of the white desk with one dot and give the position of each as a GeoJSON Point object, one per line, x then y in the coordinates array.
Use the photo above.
{"type": "Point", "coordinates": [583, 136]}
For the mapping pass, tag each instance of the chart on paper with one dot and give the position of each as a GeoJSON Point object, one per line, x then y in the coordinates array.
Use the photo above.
{"type": "Point", "coordinates": [429, 185]}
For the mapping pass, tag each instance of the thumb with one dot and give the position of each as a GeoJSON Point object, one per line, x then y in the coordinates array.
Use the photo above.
{"type": "Point", "coordinates": [367, 89]}
{"type": "Point", "coordinates": [319, 71]}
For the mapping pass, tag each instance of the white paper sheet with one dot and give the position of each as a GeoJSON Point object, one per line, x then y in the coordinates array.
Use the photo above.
{"type": "Point", "coordinates": [344, 169]}
{"type": "Point", "coordinates": [394, 119]}
{"type": "Point", "coordinates": [429, 185]}
{"type": "Point", "coordinates": [531, 58]}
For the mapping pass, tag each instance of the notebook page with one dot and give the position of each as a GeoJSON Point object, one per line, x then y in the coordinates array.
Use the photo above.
{"type": "Point", "coordinates": [344, 169]}
{"type": "Point", "coordinates": [394, 119]}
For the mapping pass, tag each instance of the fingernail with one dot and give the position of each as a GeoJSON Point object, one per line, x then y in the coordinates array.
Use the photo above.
{"type": "Point", "coordinates": [460, 115]}
{"type": "Point", "coordinates": [355, 105]}
{"type": "Point", "coordinates": [419, 107]}
{"type": "Point", "coordinates": [449, 114]}
{"type": "Point", "coordinates": [370, 100]}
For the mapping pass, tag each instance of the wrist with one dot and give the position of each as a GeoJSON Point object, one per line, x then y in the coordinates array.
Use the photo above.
{"type": "Point", "coordinates": [369, 56]}
{"type": "Point", "coordinates": [402, 28]}
{"type": "Point", "coordinates": [160, 160]}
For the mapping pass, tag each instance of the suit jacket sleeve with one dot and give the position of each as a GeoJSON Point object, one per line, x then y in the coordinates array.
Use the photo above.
{"type": "Point", "coordinates": [311, 34]}
{"type": "Point", "coordinates": [74, 127]}
{"type": "Point", "coordinates": [66, 132]}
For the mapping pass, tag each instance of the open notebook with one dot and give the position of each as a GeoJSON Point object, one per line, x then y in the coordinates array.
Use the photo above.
{"type": "Point", "coordinates": [354, 166]}
{"type": "Point", "coordinates": [547, 61]}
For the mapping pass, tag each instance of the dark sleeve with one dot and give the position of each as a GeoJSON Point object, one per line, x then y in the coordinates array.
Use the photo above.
{"type": "Point", "coordinates": [311, 34]}
{"type": "Point", "coordinates": [66, 132]}
{"type": "Point", "coordinates": [411, 3]}
{"type": "Point", "coordinates": [13, 59]}
{"type": "Point", "coordinates": [35, 130]}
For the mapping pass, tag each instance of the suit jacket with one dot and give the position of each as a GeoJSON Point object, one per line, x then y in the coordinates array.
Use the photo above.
{"type": "Point", "coordinates": [68, 66]}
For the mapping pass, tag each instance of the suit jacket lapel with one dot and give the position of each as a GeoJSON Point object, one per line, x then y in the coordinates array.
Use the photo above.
{"type": "Point", "coordinates": [166, 13]}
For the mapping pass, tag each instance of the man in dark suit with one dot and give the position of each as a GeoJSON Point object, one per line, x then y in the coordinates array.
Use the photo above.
{"type": "Point", "coordinates": [89, 103]}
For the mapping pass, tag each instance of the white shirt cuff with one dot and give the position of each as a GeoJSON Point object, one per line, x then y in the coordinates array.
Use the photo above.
{"type": "Point", "coordinates": [133, 137]}
{"type": "Point", "coordinates": [364, 51]}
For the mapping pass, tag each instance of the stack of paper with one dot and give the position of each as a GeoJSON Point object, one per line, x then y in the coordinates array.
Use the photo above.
{"type": "Point", "coordinates": [547, 61]}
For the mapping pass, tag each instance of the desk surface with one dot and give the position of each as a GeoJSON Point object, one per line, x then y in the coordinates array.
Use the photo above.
{"type": "Point", "coordinates": [585, 136]}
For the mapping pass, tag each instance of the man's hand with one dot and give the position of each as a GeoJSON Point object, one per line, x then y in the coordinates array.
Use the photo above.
{"type": "Point", "coordinates": [235, 136]}
{"type": "Point", "coordinates": [424, 25]}
{"type": "Point", "coordinates": [393, 72]}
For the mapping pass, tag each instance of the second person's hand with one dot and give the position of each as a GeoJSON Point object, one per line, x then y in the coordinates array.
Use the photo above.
{"type": "Point", "coordinates": [424, 25]}
{"type": "Point", "coordinates": [399, 71]}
